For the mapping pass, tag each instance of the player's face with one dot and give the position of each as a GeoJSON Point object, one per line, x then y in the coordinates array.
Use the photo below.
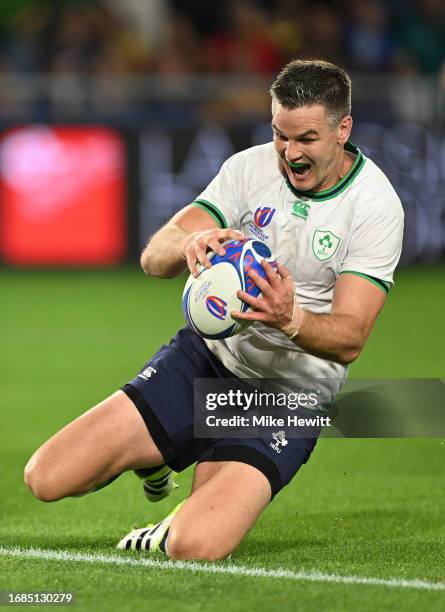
{"type": "Point", "coordinates": [309, 146]}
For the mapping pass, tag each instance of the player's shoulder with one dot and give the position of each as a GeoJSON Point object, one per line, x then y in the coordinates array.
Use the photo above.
{"type": "Point", "coordinates": [373, 187]}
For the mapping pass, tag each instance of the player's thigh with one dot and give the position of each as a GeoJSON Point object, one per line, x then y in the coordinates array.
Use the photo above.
{"type": "Point", "coordinates": [204, 471]}
{"type": "Point", "coordinates": [107, 440]}
{"type": "Point", "coordinates": [227, 499]}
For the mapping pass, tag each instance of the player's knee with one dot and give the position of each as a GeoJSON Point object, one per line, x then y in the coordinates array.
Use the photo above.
{"type": "Point", "coordinates": [188, 546]}
{"type": "Point", "coordinates": [39, 481]}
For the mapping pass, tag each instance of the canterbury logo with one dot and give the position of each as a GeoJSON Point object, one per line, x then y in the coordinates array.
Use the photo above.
{"type": "Point", "coordinates": [301, 209]}
{"type": "Point", "coordinates": [147, 373]}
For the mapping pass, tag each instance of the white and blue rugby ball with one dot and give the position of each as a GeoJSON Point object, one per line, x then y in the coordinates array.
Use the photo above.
{"type": "Point", "coordinates": [208, 299]}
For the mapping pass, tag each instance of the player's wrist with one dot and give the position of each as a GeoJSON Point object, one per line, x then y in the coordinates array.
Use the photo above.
{"type": "Point", "coordinates": [292, 329]}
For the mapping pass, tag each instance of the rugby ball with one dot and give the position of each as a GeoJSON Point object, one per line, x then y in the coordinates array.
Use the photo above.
{"type": "Point", "coordinates": [209, 298]}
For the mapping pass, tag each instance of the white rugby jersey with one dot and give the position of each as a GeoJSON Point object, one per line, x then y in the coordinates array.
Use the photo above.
{"type": "Point", "coordinates": [355, 226]}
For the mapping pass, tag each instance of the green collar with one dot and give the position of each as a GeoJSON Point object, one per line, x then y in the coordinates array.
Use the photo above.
{"type": "Point", "coordinates": [333, 191]}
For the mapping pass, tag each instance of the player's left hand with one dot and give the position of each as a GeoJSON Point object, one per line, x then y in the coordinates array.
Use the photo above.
{"type": "Point", "coordinates": [275, 307]}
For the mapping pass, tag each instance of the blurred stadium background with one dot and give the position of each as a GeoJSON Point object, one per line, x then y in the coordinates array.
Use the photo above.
{"type": "Point", "coordinates": [113, 115]}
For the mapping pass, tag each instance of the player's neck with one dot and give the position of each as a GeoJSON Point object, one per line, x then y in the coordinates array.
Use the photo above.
{"type": "Point", "coordinates": [340, 169]}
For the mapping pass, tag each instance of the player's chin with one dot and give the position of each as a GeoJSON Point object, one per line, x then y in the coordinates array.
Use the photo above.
{"type": "Point", "coordinates": [302, 182]}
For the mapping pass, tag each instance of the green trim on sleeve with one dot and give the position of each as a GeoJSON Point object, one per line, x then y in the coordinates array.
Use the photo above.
{"type": "Point", "coordinates": [213, 211]}
{"type": "Point", "coordinates": [383, 285]}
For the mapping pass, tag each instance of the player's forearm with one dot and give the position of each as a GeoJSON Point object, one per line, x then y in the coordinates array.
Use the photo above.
{"type": "Point", "coordinates": [330, 336]}
{"type": "Point", "coordinates": [161, 257]}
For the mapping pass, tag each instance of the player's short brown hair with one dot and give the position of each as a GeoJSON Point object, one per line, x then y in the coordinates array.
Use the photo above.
{"type": "Point", "coordinates": [308, 82]}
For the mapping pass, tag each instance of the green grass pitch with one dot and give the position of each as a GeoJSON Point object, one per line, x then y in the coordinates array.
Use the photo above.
{"type": "Point", "coordinates": [368, 508]}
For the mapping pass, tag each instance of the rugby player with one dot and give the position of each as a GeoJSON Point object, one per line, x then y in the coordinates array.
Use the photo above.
{"type": "Point", "coordinates": [335, 225]}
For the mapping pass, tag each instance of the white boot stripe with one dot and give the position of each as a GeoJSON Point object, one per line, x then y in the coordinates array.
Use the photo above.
{"type": "Point", "coordinates": [145, 544]}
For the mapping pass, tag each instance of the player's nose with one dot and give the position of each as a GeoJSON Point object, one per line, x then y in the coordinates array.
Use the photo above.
{"type": "Point", "coordinates": [293, 152]}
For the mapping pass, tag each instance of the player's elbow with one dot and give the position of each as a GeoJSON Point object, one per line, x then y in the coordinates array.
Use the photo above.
{"type": "Point", "coordinates": [349, 355]}
{"type": "Point", "coordinates": [146, 263]}
{"type": "Point", "coordinates": [353, 345]}
{"type": "Point", "coordinates": [159, 265]}
{"type": "Point", "coordinates": [149, 265]}
{"type": "Point", "coordinates": [348, 358]}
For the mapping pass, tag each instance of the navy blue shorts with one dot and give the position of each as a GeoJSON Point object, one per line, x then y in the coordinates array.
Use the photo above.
{"type": "Point", "coordinates": [163, 394]}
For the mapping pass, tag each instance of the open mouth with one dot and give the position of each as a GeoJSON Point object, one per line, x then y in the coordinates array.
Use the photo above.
{"type": "Point", "coordinates": [299, 168]}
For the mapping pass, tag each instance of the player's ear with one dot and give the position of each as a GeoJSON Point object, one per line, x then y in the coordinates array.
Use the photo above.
{"type": "Point", "coordinates": [344, 130]}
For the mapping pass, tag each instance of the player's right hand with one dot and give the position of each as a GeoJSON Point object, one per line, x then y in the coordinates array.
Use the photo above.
{"type": "Point", "coordinates": [196, 245]}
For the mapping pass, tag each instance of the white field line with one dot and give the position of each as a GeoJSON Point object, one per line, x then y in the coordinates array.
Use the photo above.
{"type": "Point", "coordinates": [215, 568]}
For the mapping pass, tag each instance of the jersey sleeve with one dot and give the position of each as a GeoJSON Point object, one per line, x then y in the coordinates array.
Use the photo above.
{"type": "Point", "coordinates": [375, 246]}
{"type": "Point", "coordinates": [221, 197]}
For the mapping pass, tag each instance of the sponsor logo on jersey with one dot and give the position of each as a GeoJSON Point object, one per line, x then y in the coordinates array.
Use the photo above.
{"type": "Point", "coordinates": [217, 307]}
{"type": "Point", "coordinates": [301, 209]}
{"type": "Point", "coordinates": [325, 244]}
{"type": "Point", "coordinates": [147, 373]}
{"type": "Point", "coordinates": [257, 232]}
{"type": "Point", "coordinates": [279, 440]}
{"type": "Point", "coordinates": [263, 216]}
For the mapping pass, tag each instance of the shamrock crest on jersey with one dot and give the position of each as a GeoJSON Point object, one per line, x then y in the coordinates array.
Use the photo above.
{"type": "Point", "coordinates": [324, 244]}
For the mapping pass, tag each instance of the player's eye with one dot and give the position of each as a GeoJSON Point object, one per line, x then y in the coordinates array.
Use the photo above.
{"type": "Point", "coordinates": [307, 140]}
{"type": "Point", "coordinates": [280, 136]}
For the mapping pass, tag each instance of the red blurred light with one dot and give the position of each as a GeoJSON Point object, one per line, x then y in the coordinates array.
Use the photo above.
{"type": "Point", "coordinates": [62, 193]}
